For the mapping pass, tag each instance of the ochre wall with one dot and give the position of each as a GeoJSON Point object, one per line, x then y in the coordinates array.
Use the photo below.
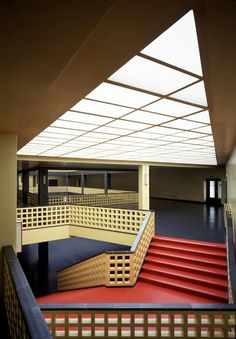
{"type": "Point", "coordinates": [231, 187]}
{"type": "Point", "coordinates": [8, 184]}
{"type": "Point", "coordinates": [125, 181]}
{"type": "Point", "coordinates": [181, 183]}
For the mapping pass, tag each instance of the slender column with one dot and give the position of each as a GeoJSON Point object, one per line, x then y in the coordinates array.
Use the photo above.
{"type": "Point", "coordinates": [8, 171]}
{"type": "Point", "coordinates": [25, 187]}
{"type": "Point", "coordinates": [43, 187]}
{"type": "Point", "coordinates": [105, 183]}
{"type": "Point", "coordinates": [43, 270]}
{"type": "Point", "coordinates": [143, 187]}
{"type": "Point", "coordinates": [82, 183]}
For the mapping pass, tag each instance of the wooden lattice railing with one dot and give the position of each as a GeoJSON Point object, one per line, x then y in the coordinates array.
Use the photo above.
{"type": "Point", "coordinates": [110, 199]}
{"type": "Point", "coordinates": [25, 319]}
{"type": "Point", "coordinates": [43, 216]}
{"type": "Point", "coordinates": [110, 269]}
{"type": "Point", "coordinates": [150, 320]}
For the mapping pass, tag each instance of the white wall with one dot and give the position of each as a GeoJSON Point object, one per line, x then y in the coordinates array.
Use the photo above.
{"type": "Point", "coordinates": [182, 183]}
{"type": "Point", "coordinates": [231, 187]}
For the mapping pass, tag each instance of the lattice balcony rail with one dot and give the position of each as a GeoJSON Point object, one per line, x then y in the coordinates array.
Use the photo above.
{"type": "Point", "coordinates": [110, 199]}
{"type": "Point", "coordinates": [24, 316]}
{"type": "Point", "coordinates": [116, 268]}
{"type": "Point", "coordinates": [140, 322]}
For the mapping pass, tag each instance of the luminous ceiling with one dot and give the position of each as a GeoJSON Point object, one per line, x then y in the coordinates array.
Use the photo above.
{"type": "Point", "coordinates": [154, 109]}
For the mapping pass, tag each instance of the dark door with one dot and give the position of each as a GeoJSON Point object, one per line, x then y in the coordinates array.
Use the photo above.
{"type": "Point", "coordinates": [213, 191]}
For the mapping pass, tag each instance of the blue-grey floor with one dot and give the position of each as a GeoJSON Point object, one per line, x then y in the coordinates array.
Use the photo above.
{"type": "Point", "coordinates": [173, 218]}
{"type": "Point", "coordinates": [189, 220]}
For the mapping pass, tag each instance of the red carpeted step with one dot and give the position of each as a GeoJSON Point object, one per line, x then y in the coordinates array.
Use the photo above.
{"type": "Point", "coordinates": [194, 243]}
{"type": "Point", "coordinates": [188, 267]}
{"type": "Point", "coordinates": [215, 294]}
{"type": "Point", "coordinates": [181, 274]}
{"type": "Point", "coordinates": [194, 258]}
{"type": "Point", "coordinates": [189, 249]}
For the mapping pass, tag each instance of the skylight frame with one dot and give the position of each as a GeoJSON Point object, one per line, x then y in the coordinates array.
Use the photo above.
{"type": "Point", "coordinates": [133, 123]}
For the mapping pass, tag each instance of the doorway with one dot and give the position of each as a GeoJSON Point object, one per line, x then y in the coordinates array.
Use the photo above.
{"type": "Point", "coordinates": [213, 191]}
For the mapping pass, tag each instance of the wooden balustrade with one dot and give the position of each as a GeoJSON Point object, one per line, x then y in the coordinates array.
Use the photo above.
{"type": "Point", "coordinates": [110, 269]}
{"type": "Point", "coordinates": [139, 322]}
{"type": "Point", "coordinates": [124, 199]}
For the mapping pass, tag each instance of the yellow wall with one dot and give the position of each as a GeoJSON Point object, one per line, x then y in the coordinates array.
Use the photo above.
{"type": "Point", "coordinates": [45, 234]}
{"type": "Point", "coordinates": [31, 236]}
{"type": "Point", "coordinates": [231, 187]}
{"type": "Point", "coordinates": [181, 183]}
{"type": "Point", "coordinates": [8, 184]}
{"type": "Point", "coordinates": [114, 237]}
{"type": "Point", "coordinates": [125, 181]}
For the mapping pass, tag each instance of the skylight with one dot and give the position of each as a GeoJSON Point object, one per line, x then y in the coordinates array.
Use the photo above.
{"type": "Point", "coordinates": [154, 108]}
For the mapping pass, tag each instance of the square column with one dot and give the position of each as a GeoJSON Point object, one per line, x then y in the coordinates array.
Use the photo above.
{"type": "Point", "coordinates": [8, 184]}
{"type": "Point", "coordinates": [25, 187]}
{"type": "Point", "coordinates": [143, 187]}
{"type": "Point", "coordinates": [43, 187]}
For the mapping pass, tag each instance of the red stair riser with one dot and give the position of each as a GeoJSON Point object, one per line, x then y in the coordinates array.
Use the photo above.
{"type": "Point", "coordinates": [184, 288]}
{"type": "Point", "coordinates": [222, 285]}
{"type": "Point", "coordinates": [194, 251]}
{"type": "Point", "coordinates": [216, 273]}
{"type": "Point", "coordinates": [182, 242]}
{"type": "Point", "coordinates": [205, 261]}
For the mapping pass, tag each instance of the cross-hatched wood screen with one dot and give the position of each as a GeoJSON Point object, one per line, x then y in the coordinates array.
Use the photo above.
{"type": "Point", "coordinates": [120, 269]}
{"type": "Point", "coordinates": [143, 245]}
{"type": "Point", "coordinates": [125, 323]}
{"type": "Point", "coordinates": [127, 221]}
{"type": "Point", "coordinates": [15, 317]}
{"type": "Point", "coordinates": [91, 272]}
{"type": "Point", "coordinates": [110, 199]}
{"type": "Point", "coordinates": [45, 216]}
{"type": "Point", "coordinates": [57, 200]}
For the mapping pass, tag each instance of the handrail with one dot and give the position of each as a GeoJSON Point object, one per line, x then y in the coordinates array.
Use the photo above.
{"type": "Point", "coordinates": [140, 232]}
{"type": "Point", "coordinates": [230, 254]}
{"type": "Point", "coordinates": [128, 276]}
{"type": "Point", "coordinates": [132, 249]}
{"type": "Point", "coordinates": [20, 302]}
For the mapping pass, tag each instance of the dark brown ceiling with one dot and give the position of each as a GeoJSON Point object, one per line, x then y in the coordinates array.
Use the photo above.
{"type": "Point", "coordinates": [55, 52]}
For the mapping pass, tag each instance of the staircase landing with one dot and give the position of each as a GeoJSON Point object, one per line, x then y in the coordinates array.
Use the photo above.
{"type": "Point", "coordinates": [174, 271]}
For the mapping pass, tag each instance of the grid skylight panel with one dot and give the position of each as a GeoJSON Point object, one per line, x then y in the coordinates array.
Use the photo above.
{"type": "Point", "coordinates": [133, 126]}
{"type": "Point", "coordinates": [74, 125]}
{"type": "Point", "coordinates": [99, 108]}
{"type": "Point", "coordinates": [85, 118]}
{"type": "Point", "coordinates": [120, 95]}
{"type": "Point", "coordinates": [171, 107]}
{"type": "Point", "coordinates": [178, 45]}
{"type": "Point", "coordinates": [127, 118]}
{"type": "Point", "coordinates": [147, 117]}
{"type": "Point", "coordinates": [195, 94]}
{"type": "Point", "coordinates": [151, 76]}
{"type": "Point", "coordinates": [184, 124]}
{"type": "Point", "coordinates": [201, 117]}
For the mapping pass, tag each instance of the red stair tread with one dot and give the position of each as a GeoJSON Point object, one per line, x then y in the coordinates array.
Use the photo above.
{"type": "Point", "coordinates": [188, 248]}
{"type": "Point", "coordinates": [192, 242]}
{"type": "Point", "coordinates": [186, 286]}
{"type": "Point", "coordinates": [193, 267]}
{"type": "Point", "coordinates": [189, 257]}
{"type": "Point", "coordinates": [183, 275]}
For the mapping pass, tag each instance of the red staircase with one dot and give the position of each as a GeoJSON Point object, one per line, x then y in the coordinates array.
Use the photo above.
{"type": "Point", "coordinates": [195, 267]}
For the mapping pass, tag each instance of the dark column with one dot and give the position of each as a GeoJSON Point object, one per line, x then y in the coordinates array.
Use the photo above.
{"type": "Point", "coordinates": [82, 183]}
{"type": "Point", "coordinates": [25, 187]}
{"type": "Point", "coordinates": [43, 270]}
{"type": "Point", "coordinates": [43, 187]}
{"type": "Point", "coordinates": [105, 183]}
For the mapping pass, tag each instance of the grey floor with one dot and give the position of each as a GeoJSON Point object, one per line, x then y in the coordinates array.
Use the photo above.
{"type": "Point", "coordinates": [189, 220]}
{"type": "Point", "coordinates": [173, 218]}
